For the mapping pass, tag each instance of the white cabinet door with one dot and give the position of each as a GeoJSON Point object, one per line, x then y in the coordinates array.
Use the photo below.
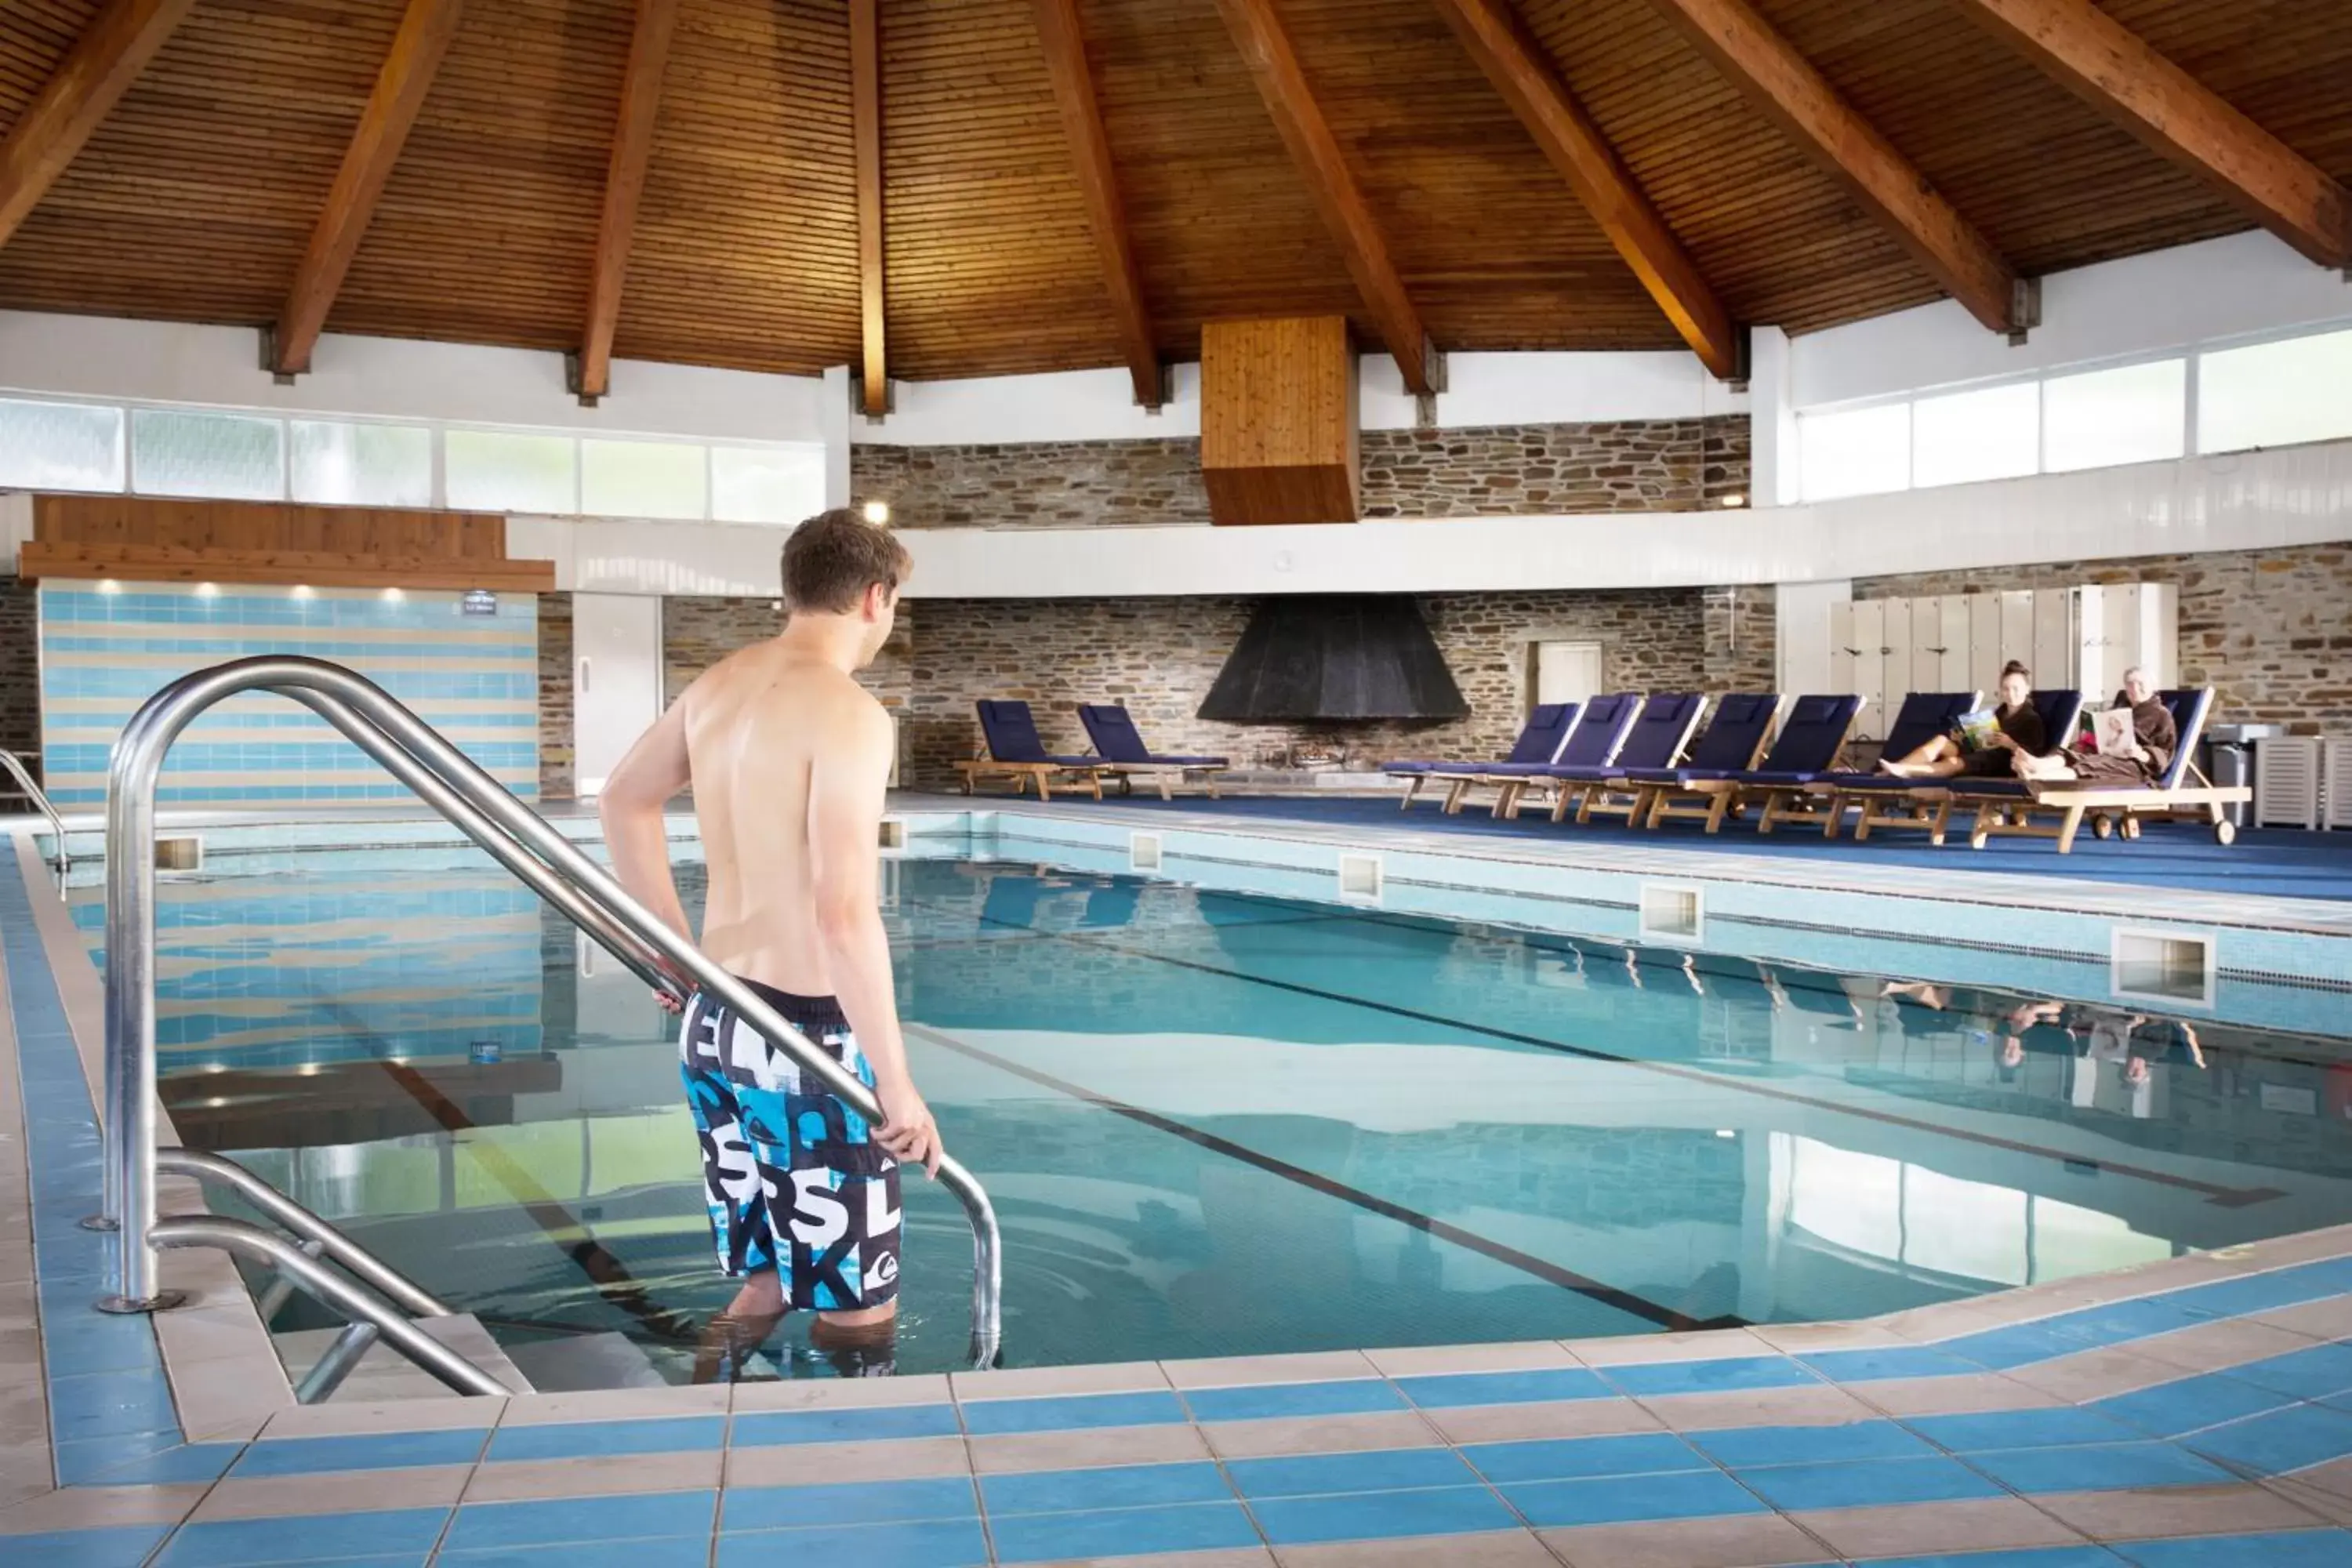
{"type": "Point", "coordinates": [1568, 671]}
{"type": "Point", "coordinates": [2014, 639]}
{"type": "Point", "coordinates": [1870, 666]}
{"type": "Point", "coordinates": [1841, 649]}
{"type": "Point", "coordinates": [2056, 660]}
{"type": "Point", "coordinates": [615, 680]}
{"type": "Point", "coordinates": [1955, 646]}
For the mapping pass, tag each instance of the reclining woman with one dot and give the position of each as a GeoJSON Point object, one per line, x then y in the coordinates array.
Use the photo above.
{"type": "Point", "coordinates": [2020, 734]}
{"type": "Point", "coordinates": [2154, 738]}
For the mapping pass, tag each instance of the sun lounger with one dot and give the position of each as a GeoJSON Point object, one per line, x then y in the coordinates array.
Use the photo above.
{"type": "Point", "coordinates": [2027, 808]}
{"type": "Point", "coordinates": [1602, 729]}
{"type": "Point", "coordinates": [1922, 716]}
{"type": "Point", "coordinates": [1124, 755]}
{"type": "Point", "coordinates": [1016, 752]}
{"type": "Point", "coordinates": [1806, 748]}
{"type": "Point", "coordinates": [1734, 739]}
{"type": "Point", "coordinates": [1910, 803]}
{"type": "Point", "coordinates": [1547, 730]}
{"type": "Point", "coordinates": [1655, 739]}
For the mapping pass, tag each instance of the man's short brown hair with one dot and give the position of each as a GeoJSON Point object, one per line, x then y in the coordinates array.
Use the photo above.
{"type": "Point", "coordinates": [832, 558]}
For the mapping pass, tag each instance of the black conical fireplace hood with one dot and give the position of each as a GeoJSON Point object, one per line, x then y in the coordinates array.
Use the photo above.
{"type": "Point", "coordinates": [1335, 657]}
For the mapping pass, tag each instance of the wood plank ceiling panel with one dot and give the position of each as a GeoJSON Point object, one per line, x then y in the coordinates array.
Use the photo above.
{"type": "Point", "coordinates": [34, 37]}
{"type": "Point", "coordinates": [1440, 157]}
{"type": "Point", "coordinates": [991, 268]}
{"type": "Point", "coordinates": [1778, 238]}
{"type": "Point", "coordinates": [1221, 223]}
{"type": "Point", "coordinates": [193, 200]}
{"type": "Point", "coordinates": [487, 230]}
{"type": "Point", "coordinates": [746, 253]}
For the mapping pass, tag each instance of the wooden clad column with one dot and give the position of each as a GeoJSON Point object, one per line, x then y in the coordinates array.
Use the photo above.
{"type": "Point", "coordinates": [625, 181]}
{"type": "Point", "coordinates": [426, 29]}
{"type": "Point", "coordinates": [2117, 73]}
{"type": "Point", "coordinates": [1278, 421]}
{"type": "Point", "coordinates": [865, 134]}
{"type": "Point", "coordinates": [76, 99]}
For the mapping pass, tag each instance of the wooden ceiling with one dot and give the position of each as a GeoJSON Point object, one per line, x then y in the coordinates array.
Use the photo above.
{"type": "Point", "coordinates": [214, 161]}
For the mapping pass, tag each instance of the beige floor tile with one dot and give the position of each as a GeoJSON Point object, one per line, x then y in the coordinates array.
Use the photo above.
{"type": "Point", "coordinates": [2330, 1319]}
{"type": "Point", "coordinates": [1745, 1541]}
{"type": "Point", "coordinates": [518, 1480]}
{"type": "Point", "coordinates": [273, 1497]}
{"type": "Point", "coordinates": [196, 1334]}
{"type": "Point", "coordinates": [2333, 1506]}
{"type": "Point", "coordinates": [231, 1393]}
{"type": "Point", "coordinates": [841, 1393]}
{"type": "Point", "coordinates": [86, 1508]}
{"type": "Point", "coordinates": [1054, 1381]}
{"type": "Point", "coordinates": [1319, 1434]}
{"type": "Point", "coordinates": [1916, 1530]}
{"type": "Point", "coordinates": [1423, 1360]}
{"type": "Point", "coordinates": [2095, 1374]}
{"type": "Point", "coordinates": [1231, 1557]}
{"type": "Point", "coordinates": [1963, 1396]}
{"type": "Point", "coordinates": [1644, 1350]}
{"type": "Point", "coordinates": [1815, 1405]}
{"type": "Point", "coordinates": [338, 1419]}
{"type": "Point", "coordinates": [1551, 1418]}
{"type": "Point", "coordinates": [1236, 1371]}
{"type": "Point", "coordinates": [2139, 1515]}
{"type": "Point", "coordinates": [2211, 1347]}
{"type": "Point", "coordinates": [2282, 1251]}
{"type": "Point", "coordinates": [824, 1464]}
{"type": "Point", "coordinates": [1014, 1451]}
{"type": "Point", "coordinates": [1803, 1339]}
{"type": "Point", "coordinates": [1495, 1548]}
{"type": "Point", "coordinates": [2334, 1478]}
{"type": "Point", "coordinates": [616, 1405]}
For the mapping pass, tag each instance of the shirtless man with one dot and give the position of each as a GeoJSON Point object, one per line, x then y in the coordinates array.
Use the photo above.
{"type": "Point", "coordinates": [789, 758]}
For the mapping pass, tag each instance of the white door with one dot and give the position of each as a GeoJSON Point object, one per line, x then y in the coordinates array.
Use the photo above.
{"type": "Point", "coordinates": [615, 680]}
{"type": "Point", "coordinates": [1841, 652]}
{"type": "Point", "coordinates": [1870, 666]}
{"type": "Point", "coordinates": [2013, 638]}
{"type": "Point", "coordinates": [1956, 650]}
{"type": "Point", "coordinates": [1568, 671]}
{"type": "Point", "coordinates": [2056, 661]}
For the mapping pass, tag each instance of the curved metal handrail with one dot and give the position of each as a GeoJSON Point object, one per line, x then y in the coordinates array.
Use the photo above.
{"type": "Point", "coordinates": [522, 841]}
{"type": "Point", "coordinates": [14, 765]}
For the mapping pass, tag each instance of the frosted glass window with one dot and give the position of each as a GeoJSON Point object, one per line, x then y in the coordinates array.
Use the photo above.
{"type": "Point", "coordinates": [2272, 394]}
{"type": "Point", "coordinates": [60, 447]}
{"type": "Point", "coordinates": [2134, 414]}
{"type": "Point", "coordinates": [231, 456]}
{"type": "Point", "coordinates": [645, 478]}
{"type": "Point", "coordinates": [1994, 432]}
{"type": "Point", "coordinates": [493, 470]}
{"type": "Point", "coordinates": [362, 465]}
{"type": "Point", "coordinates": [1862, 451]}
{"type": "Point", "coordinates": [766, 484]}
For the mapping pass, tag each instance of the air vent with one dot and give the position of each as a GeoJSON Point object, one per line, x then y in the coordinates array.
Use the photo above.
{"type": "Point", "coordinates": [185, 854]}
{"type": "Point", "coordinates": [1673, 912]}
{"type": "Point", "coordinates": [2156, 966]}
{"type": "Point", "coordinates": [1360, 878]}
{"type": "Point", "coordinates": [1144, 852]}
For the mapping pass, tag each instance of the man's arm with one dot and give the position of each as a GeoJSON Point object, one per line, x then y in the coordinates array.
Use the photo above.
{"type": "Point", "coordinates": [847, 785]}
{"type": "Point", "coordinates": [631, 810]}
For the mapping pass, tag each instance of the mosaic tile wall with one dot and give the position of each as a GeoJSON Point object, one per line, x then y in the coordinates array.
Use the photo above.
{"type": "Point", "coordinates": [473, 677]}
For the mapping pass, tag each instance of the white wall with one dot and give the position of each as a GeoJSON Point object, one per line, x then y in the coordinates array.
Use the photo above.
{"type": "Point", "coordinates": [2239, 286]}
{"type": "Point", "coordinates": [170, 361]}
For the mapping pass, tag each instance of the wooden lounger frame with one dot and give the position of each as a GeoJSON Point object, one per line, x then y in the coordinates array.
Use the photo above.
{"type": "Point", "coordinates": [1164, 774]}
{"type": "Point", "coordinates": [1718, 798]}
{"type": "Point", "coordinates": [1022, 775]}
{"type": "Point", "coordinates": [2071, 800]}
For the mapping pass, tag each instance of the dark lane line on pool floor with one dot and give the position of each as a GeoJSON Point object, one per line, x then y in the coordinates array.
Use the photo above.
{"type": "Point", "coordinates": [2220, 1196]}
{"type": "Point", "coordinates": [1501, 1252]}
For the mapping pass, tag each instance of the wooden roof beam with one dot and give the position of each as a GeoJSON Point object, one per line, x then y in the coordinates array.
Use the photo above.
{"type": "Point", "coordinates": [1257, 32]}
{"type": "Point", "coordinates": [1059, 30]}
{"type": "Point", "coordinates": [1491, 33]}
{"type": "Point", "coordinates": [866, 131]}
{"type": "Point", "coordinates": [92, 78]}
{"type": "Point", "coordinates": [624, 183]}
{"type": "Point", "coordinates": [1787, 89]}
{"type": "Point", "coordinates": [2118, 74]}
{"type": "Point", "coordinates": [426, 29]}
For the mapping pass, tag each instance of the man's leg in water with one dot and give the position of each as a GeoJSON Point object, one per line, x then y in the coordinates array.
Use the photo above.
{"type": "Point", "coordinates": [737, 1331]}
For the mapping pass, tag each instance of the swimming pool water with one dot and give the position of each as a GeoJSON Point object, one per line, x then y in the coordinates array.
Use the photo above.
{"type": "Point", "coordinates": [1215, 1124]}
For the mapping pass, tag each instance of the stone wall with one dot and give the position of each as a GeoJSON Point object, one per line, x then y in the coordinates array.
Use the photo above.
{"type": "Point", "coordinates": [1742, 630]}
{"type": "Point", "coordinates": [2271, 630]}
{"type": "Point", "coordinates": [20, 673]}
{"type": "Point", "coordinates": [1655, 465]}
{"type": "Point", "coordinates": [558, 780]}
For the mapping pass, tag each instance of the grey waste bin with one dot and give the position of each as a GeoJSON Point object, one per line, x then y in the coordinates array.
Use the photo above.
{"type": "Point", "coordinates": [2230, 760]}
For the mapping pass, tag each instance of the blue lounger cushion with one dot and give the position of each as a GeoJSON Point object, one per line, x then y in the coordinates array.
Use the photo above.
{"type": "Point", "coordinates": [1012, 736]}
{"type": "Point", "coordinates": [1547, 729]}
{"type": "Point", "coordinates": [1657, 733]}
{"type": "Point", "coordinates": [1117, 739]}
{"type": "Point", "coordinates": [1595, 742]}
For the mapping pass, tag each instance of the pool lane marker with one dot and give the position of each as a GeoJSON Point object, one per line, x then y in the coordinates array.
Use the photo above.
{"type": "Point", "coordinates": [1542, 1268]}
{"type": "Point", "coordinates": [2219, 1196]}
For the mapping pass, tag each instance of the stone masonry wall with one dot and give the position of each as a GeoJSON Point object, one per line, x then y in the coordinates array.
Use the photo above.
{"type": "Point", "coordinates": [2271, 630]}
{"type": "Point", "coordinates": [20, 673]}
{"type": "Point", "coordinates": [558, 780]}
{"type": "Point", "coordinates": [1655, 465]}
{"type": "Point", "coordinates": [1742, 640]}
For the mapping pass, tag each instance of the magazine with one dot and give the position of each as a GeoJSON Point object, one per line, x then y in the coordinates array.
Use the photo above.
{"type": "Point", "coordinates": [2112, 729]}
{"type": "Point", "coordinates": [1977, 728]}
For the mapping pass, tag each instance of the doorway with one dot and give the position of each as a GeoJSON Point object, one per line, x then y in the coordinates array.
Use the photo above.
{"type": "Point", "coordinates": [616, 680]}
{"type": "Point", "coordinates": [1567, 671]}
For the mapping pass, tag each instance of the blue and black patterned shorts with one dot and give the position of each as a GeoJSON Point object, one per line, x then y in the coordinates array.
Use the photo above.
{"type": "Point", "coordinates": [794, 1177]}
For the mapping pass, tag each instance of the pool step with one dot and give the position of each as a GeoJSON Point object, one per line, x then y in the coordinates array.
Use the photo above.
{"type": "Point", "coordinates": [579, 1362]}
{"type": "Point", "coordinates": [383, 1373]}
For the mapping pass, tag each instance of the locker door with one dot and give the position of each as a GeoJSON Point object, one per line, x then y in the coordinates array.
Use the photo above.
{"type": "Point", "coordinates": [2056, 660]}
{"type": "Point", "coordinates": [2095, 650]}
{"type": "Point", "coordinates": [1870, 666]}
{"type": "Point", "coordinates": [1841, 647]}
{"type": "Point", "coordinates": [1985, 657]}
{"type": "Point", "coordinates": [1896, 679]}
{"type": "Point", "coordinates": [2015, 639]}
{"type": "Point", "coordinates": [1958, 658]}
{"type": "Point", "coordinates": [2159, 636]}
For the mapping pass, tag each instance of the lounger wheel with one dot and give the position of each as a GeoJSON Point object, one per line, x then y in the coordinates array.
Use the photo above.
{"type": "Point", "coordinates": [2225, 832]}
{"type": "Point", "coordinates": [2131, 827]}
{"type": "Point", "coordinates": [2103, 828]}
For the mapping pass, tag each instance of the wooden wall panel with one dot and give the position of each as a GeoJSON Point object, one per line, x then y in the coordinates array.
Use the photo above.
{"type": "Point", "coordinates": [1278, 421]}
{"type": "Point", "coordinates": [236, 525]}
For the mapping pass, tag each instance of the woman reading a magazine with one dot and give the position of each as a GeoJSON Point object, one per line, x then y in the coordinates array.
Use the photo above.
{"type": "Point", "coordinates": [1987, 742]}
{"type": "Point", "coordinates": [2135, 754]}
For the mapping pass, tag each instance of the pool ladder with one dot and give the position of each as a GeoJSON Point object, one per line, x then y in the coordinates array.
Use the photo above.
{"type": "Point", "coordinates": [378, 1301]}
{"type": "Point", "coordinates": [14, 766]}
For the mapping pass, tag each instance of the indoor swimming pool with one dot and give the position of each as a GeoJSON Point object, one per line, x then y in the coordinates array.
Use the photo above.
{"type": "Point", "coordinates": [1218, 1124]}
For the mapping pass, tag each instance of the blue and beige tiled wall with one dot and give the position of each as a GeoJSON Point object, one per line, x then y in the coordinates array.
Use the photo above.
{"type": "Point", "coordinates": [105, 649]}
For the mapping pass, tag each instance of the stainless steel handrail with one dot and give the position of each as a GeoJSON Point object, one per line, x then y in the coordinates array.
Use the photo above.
{"type": "Point", "coordinates": [517, 837]}
{"type": "Point", "coordinates": [14, 767]}
{"type": "Point", "coordinates": [355, 1259]}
